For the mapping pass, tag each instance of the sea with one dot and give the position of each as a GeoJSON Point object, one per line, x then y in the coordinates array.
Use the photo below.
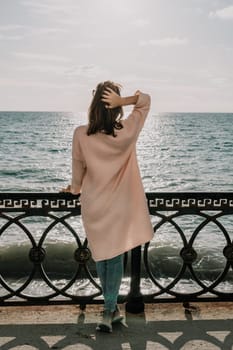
{"type": "Point", "coordinates": [177, 152]}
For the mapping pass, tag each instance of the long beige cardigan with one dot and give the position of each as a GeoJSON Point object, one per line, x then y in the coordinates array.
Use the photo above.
{"type": "Point", "coordinates": [113, 202]}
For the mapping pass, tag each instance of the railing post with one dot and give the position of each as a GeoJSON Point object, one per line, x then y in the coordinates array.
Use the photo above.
{"type": "Point", "coordinates": [135, 300]}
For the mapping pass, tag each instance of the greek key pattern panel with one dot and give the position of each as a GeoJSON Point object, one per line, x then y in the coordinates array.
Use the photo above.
{"type": "Point", "coordinates": [28, 201]}
{"type": "Point", "coordinates": [190, 201]}
{"type": "Point", "coordinates": [156, 201]}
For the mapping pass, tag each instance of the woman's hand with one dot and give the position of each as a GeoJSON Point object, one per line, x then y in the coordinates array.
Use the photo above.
{"type": "Point", "coordinates": [111, 98]}
{"type": "Point", "coordinates": [67, 189]}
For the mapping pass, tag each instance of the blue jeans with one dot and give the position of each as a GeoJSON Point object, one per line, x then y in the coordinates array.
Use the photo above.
{"type": "Point", "coordinates": [110, 273]}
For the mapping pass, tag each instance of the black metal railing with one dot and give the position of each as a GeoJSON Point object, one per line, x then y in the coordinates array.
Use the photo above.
{"type": "Point", "coordinates": [190, 257]}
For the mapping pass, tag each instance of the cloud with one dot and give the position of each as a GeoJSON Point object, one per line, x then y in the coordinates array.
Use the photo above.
{"type": "Point", "coordinates": [86, 45]}
{"type": "Point", "coordinates": [10, 27]}
{"type": "Point", "coordinates": [41, 57]}
{"type": "Point", "coordinates": [48, 7]}
{"type": "Point", "coordinates": [49, 30]}
{"type": "Point", "coordinates": [27, 83]}
{"type": "Point", "coordinates": [5, 82]}
{"type": "Point", "coordinates": [11, 37]}
{"type": "Point", "coordinates": [86, 71]}
{"type": "Point", "coordinates": [58, 65]}
{"type": "Point", "coordinates": [165, 42]}
{"type": "Point", "coordinates": [44, 68]}
{"type": "Point", "coordinates": [11, 32]}
{"type": "Point", "coordinates": [65, 13]}
{"type": "Point", "coordinates": [42, 63]}
{"type": "Point", "coordinates": [140, 22]}
{"type": "Point", "coordinates": [19, 32]}
{"type": "Point", "coordinates": [225, 13]}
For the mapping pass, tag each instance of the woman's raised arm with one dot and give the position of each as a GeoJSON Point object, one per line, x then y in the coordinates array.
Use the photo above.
{"type": "Point", "coordinates": [113, 100]}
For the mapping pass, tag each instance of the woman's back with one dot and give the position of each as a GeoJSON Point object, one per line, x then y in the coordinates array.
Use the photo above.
{"type": "Point", "coordinates": [113, 199]}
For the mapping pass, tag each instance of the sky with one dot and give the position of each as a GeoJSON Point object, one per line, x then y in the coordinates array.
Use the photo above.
{"type": "Point", "coordinates": [53, 53]}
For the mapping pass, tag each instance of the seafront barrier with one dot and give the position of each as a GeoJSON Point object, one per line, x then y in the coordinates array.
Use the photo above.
{"type": "Point", "coordinates": [189, 259]}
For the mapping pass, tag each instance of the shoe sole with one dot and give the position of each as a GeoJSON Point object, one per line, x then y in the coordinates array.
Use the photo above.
{"type": "Point", "coordinates": [104, 328]}
{"type": "Point", "coordinates": [117, 319]}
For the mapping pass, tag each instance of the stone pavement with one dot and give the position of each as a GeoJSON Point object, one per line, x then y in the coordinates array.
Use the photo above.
{"type": "Point", "coordinates": [163, 326]}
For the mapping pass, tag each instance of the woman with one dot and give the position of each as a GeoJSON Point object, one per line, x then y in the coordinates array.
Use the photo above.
{"type": "Point", "coordinates": [114, 208]}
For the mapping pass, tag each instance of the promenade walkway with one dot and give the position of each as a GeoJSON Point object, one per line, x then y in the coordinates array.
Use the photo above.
{"type": "Point", "coordinates": [163, 326]}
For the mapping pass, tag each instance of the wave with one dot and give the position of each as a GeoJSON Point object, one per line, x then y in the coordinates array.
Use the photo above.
{"type": "Point", "coordinates": [59, 261]}
{"type": "Point", "coordinates": [165, 261]}
{"type": "Point", "coordinates": [20, 172]}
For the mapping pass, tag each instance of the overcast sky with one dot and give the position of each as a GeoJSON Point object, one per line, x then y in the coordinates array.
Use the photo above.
{"type": "Point", "coordinates": [54, 52]}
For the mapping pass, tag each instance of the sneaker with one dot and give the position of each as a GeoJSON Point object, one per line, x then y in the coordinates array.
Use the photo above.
{"type": "Point", "coordinates": [106, 324]}
{"type": "Point", "coordinates": [117, 317]}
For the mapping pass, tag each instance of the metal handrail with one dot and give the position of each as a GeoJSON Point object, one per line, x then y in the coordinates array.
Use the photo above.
{"type": "Point", "coordinates": [169, 212]}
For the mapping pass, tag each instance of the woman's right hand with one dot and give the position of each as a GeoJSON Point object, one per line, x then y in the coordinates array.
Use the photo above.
{"type": "Point", "coordinates": [67, 189]}
{"type": "Point", "coordinates": [111, 98]}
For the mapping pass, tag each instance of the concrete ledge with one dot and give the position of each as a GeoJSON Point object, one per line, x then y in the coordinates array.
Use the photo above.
{"type": "Point", "coordinates": [162, 326]}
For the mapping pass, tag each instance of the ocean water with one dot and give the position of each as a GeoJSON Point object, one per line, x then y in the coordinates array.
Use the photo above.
{"type": "Point", "coordinates": [176, 152]}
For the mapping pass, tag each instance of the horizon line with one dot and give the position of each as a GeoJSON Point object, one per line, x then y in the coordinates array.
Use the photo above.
{"type": "Point", "coordinates": [83, 112]}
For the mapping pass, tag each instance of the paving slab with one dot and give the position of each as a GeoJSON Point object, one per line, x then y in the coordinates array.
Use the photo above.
{"type": "Point", "coordinates": [162, 326]}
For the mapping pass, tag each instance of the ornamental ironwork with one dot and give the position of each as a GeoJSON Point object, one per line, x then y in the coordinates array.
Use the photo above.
{"type": "Point", "coordinates": [190, 257]}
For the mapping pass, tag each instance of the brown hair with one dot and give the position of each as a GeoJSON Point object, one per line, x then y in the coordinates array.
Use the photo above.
{"type": "Point", "coordinates": [102, 119]}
